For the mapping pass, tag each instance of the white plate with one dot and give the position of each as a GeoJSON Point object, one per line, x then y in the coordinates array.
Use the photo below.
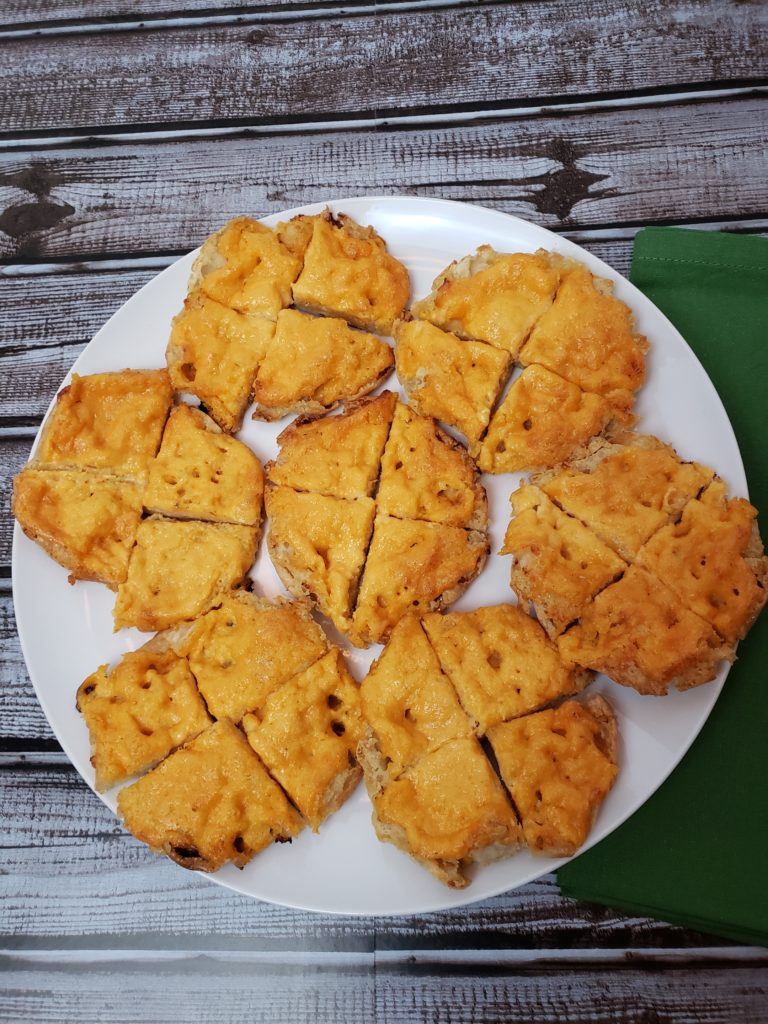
{"type": "Point", "coordinates": [67, 631]}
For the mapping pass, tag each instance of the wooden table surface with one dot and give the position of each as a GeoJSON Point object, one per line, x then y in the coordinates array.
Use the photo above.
{"type": "Point", "coordinates": [131, 130]}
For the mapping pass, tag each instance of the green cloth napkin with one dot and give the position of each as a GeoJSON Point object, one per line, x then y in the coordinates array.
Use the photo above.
{"type": "Point", "coordinates": [696, 853]}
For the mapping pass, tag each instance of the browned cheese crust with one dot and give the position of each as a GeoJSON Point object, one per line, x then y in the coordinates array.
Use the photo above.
{"type": "Point", "coordinates": [210, 802]}
{"type": "Point", "coordinates": [638, 633]}
{"type": "Point", "coordinates": [558, 765]}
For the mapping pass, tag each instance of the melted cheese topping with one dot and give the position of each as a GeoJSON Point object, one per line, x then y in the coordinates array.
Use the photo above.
{"type": "Point", "coordinates": [250, 270]}
{"type": "Point", "coordinates": [455, 381]}
{"type": "Point", "coordinates": [702, 559]}
{"type": "Point", "coordinates": [214, 353]}
{"type": "Point", "coordinates": [85, 521]}
{"type": "Point", "coordinates": [201, 473]}
{"type": "Point", "coordinates": [210, 802]}
{"type": "Point", "coordinates": [108, 421]}
{"type": "Point", "coordinates": [318, 546]}
{"type": "Point", "coordinates": [413, 565]}
{"type": "Point", "coordinates": [337, 455]}
{"type": "Point", "coordinates": [317, 361]}
{"type": "Point", "coordinates": [628, 494]}
{"type": "Point", "coordinates": [588, 338]}
{"type": "Point", "coordinates": [493, 297]}
{"type": "Point", "coordinates": [138, 713]}
{"type": "Point", "coordinates": [555, 766]}
{"type": "Point", "coordinates": [179, 570]}
{"type": "Point", "coordinates": [425, 474]}
{"type": "Point", "coordinates": [349, 273]}
{"type": "Point", "coordinates": [540, 422]}
{"type": "Point", "coordinates": [637, 632]}
{"type": "Point", "coordinates": [307, 733]}
{"type": "Point", "coordinates": [449, 804]}
{"type": "Point", "coordinates": [559, 564]}
{"type": "Point", "coordinates": [408, 701]}
{"type": "Point", "coordinates": [500, 661]}
{"type": "Point", "coordinates": [243, 650]}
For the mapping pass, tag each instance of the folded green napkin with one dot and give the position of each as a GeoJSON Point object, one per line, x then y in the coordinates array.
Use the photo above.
{"type": "Point", "coordinates": [696, 853]}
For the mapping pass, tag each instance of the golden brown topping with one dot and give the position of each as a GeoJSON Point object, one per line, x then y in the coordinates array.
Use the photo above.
{"type": "Point", "coordinates": [214, 353]}
{"type": "Point", "coordinates": [558, 766]}
{"type": "Point", "coordinates": [637, 632]}
{"type": "Point", "coordinates": [179, 570]}
{"type": "Point", "coordinates": [493, 297]}
{"type": "Point", "coordinates": [202, 473]}
{"type": "Point", "coordinates": [425, 474]}
{"type": "Point", "coordinates": [86, 521]}
{"type": "Point", "coordinates": [588, 337]}
{"type": "Point", "coordinates": [210, 802]}
{"type": "Point", "coordinates": [247, 267]}
{"type": "Point", "coordinates": [337, 455]}
{"type": "Point", "coordinates": [316, 362]}
{"type": "Point", "coordinates": [110, 421]}
{"type": "Point", "coordinates": [349, 273]}
{"type": "Point", "coordinates": [501, 662]}
{"type": "Point", "coordinates": [540, 422]}
{"type": "Point", "coordinates": [138, 713]}
{"type": "Point", "coordinates": [306, 733]}
{"type": "Point", "coordinates": [408, 701]}
{"type": "Point", "coordinates": [455, 381]}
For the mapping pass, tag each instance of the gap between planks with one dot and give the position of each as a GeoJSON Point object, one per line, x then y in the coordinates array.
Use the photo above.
{"type": "Point", "coordinates": [463, 115]}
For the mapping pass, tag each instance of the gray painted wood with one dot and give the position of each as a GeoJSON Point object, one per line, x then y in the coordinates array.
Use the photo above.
{"type": "Point", "coordinates": [396, 60]}
{"type": "Point", "coordinates": [589, 168]}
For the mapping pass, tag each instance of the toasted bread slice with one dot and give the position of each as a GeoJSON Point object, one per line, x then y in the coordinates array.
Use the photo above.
{"type": "Point", "coordinates": [501, 663]}
{"type": "Point", "coordinates": [247, 267]}
{"type": "Point", "coordinates": [107, 421]}
{"type": "Point", "coordinates": [453, 380]}
{"type": "Point", "coordinates": [244, 649]}
{"type": "Point", "coordinates": [558, 766]}
{"type": "Point", "coordinates": [447, 811]}
{"type": "Point", "coordinates": [413, 566]}
{"type": "Point", "coordinates": [349, 273]}
{"type": "Point", "coordinates": [138, 712]}
{"type": "Point", "coordinates": [214, 353]}
{"type": "Point", "coordinates": [588, 337]}
{"type": "Point", "coordinates": [714, 561]}
{"type": "Point", "coordinates": [408, 701]}
{"type": "Point", "coordinates": [627, 489]}
{"type": "Point", "coordinates": [85, 521]}
{"type": "Point", "coordinates": [540, 422]}
{"type": "Point", "coordinates": [314, 363]}
{"type": "Point", "coordinates": [210, 802]}
{"type": "Point", "coordinates": [318, 545]}
{"type": "Point", "coordinates": [639, 634]}
{"type": "Point", "coordinates": [559, 565]}
{"type": "Point", "coordinates": [426, 474]}
{"type": "Point", "coordinates": [337, 455]}
{"type": "Point", "coordinates": [307, 732]}
{"type": "Point", "coordinates": [202, 473]}
{"type": "Point", "coordinates": [181, 569]}
{"type": "Point", "coordinates": [492, 296]}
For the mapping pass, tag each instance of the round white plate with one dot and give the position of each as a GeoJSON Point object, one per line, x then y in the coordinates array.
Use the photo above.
{"type": "Point", "coordinates": [66, 632]}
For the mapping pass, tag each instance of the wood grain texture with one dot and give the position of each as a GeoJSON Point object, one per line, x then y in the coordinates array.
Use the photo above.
{"type": "Point", "coordinates": [389, 62]}
{"type": "Point", "coordinates": [35, 12]}
{"type": "Point", "coordinates": [255, 986]}
{"type": "Point", "coordinates": [596, 167]}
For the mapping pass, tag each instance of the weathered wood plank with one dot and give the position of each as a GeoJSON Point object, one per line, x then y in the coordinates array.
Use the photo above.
{"type": "Point", "coordinates": [34, 12]}
{"type": "Point", "coordinates": [13, 454]}
{"type": "Point", "coordinates": [211, 988]}
{"type": "Point", "coordinates": [392, 61]}
{"type": "Point", "coordinates": [226, 987]}
{"type": "Point", "coordinates": [52, 827]}
{"type": "Point", "coordinates": [21, 717]}
{"type": "Point", "coordinates": [592, 168]}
